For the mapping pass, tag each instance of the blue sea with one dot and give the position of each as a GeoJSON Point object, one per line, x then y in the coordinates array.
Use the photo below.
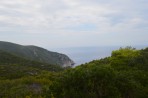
{"type": "Point", "coordinates": [81, 55]}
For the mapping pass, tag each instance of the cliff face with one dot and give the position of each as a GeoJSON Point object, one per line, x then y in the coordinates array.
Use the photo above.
{"type": "Point", "coordinates": [66, 61]}
{"type": "Point", "coordinates": [37, 54]}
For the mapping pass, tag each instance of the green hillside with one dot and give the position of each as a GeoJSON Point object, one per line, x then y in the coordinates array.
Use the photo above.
{"type": "Point", "coordinates": [36, 53]}
{"type": "Point", "coordinates": [12, 66]}
{"type": "Point", "coordinates": [123, 75]}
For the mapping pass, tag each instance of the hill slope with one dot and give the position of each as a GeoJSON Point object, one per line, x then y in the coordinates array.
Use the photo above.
{"type": "Point", "coordinates": [11, 65]}
{"type": "Point", "coordinates": [36, 53]}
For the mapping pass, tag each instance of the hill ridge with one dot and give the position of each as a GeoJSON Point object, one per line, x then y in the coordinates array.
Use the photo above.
{"type": "Point", "coordinates": [36, 53]}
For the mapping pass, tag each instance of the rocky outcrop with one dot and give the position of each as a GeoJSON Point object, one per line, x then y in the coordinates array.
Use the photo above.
{"type": "Point", "coordinates": [37, 54]}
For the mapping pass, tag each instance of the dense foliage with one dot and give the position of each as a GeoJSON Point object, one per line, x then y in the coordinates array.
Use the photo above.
{"type": "Point", "coordinates": [123, 75]}
{"type": "Point", "coordinates": [12, 66]}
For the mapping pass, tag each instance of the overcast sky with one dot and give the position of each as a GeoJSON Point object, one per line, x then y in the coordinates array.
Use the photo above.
{"type": "Point", "coordinates": [74, 23]}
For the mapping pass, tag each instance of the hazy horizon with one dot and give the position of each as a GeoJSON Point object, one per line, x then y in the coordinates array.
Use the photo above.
{"type": "Point", "coordinates": [82, 55]}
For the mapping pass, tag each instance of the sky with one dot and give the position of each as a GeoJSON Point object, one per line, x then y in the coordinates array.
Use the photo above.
{"type": "Point", "coordinates": [74, 23]}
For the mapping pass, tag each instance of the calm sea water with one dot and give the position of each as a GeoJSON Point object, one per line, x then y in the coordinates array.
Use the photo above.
{"type": "Point", "coordinates": [81, 55]}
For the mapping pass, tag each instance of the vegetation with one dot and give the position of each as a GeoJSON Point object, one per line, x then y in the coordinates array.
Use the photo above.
{"type": "Point", "coordinates": [12, 66]}
{"type": "Point", "coordinates": [123, 75]}
{"type": "Point", "coordinates": [36, 53]}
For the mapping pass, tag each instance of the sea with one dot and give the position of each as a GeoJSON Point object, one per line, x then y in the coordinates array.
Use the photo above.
{"type": "Point", "coordinates": [82, 55]}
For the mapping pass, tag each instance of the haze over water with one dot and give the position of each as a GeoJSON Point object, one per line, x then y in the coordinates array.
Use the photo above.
{"type": "Point", "coordinates": [81, 55]}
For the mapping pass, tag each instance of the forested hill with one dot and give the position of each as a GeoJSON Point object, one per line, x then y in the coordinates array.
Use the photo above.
{"type": "Point", "coordinates": [122, 75]}
{"type": "Point", "coordinates": [36, 53]}
{"type": "Point", "coordinates": [13, 67]}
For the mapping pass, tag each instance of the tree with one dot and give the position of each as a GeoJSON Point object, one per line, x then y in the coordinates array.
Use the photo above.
{"type": "Point", "coordinates": [124, 56]}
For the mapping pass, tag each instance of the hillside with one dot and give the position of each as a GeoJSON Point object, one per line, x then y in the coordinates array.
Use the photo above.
{"type": "Point", "coordinates": [12, 66]}
{"type": "Point", "coordinates": [37, 54]}
{"type": "Point", "coordinates": [123, 75]}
